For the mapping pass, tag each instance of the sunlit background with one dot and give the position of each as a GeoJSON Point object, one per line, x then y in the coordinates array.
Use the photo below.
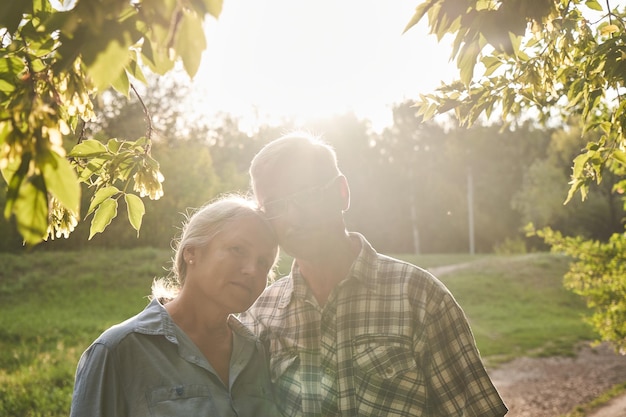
{"type": "Point", "coordinates": [432, 193]}
{"type": "Point", "coordinates": [271, 59]}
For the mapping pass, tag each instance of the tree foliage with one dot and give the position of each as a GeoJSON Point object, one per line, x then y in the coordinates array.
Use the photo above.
{"type": "Point", "coordinates": [541, 57]}
{"type": "Point", "coordinates": [53, 61]}
{"type": "Point", "coordinates": [599, 275]}
{"type": "Point", "coordinates": [549, 59]}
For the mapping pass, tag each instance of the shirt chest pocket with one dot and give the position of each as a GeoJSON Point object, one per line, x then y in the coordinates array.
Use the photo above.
{"type": "Point", "coordinates": [285, 375]}
{"type": "Point", "coordinates": [385, 357]}
{"type": "Point", "coordinates": [181, 400]}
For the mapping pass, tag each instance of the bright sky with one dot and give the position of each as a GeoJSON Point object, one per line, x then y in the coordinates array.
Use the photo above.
{"type": "Point", "coordinates": [314, 58]}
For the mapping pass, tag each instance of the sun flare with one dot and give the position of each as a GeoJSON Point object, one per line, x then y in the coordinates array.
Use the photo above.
{"type": "Point", "coordinates": [311, 59]}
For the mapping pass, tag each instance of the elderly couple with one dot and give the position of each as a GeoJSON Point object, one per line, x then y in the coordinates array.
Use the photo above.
{"type": "Point", "coordinates": [349, 332]}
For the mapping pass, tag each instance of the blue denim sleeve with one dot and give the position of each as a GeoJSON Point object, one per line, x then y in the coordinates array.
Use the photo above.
{"type": "Point", "coordinates": [98, 392]}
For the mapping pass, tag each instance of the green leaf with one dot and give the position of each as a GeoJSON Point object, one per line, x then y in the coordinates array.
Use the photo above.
{"type": "Point", "coordinates": [420, 11]}
{"type": "Point", "coordinates": [5, 130]}
{"type": "Point", "coordinates": [6, 86]}
{"type": "Point", "coordinates": [136, 210]}
{"type": "Point", "coordinates": [104, 214]}
{"type": "Point", "coordinates": [11, 67]}
{"type": "Point", "coordinates": [619, 156]}
{"type": "Point", "coordinates": [135, 71]}
{"type": "Point", "coordinates": [114, 145]}
{"type": "Point", "coordinates": [467, 60]}
{"type": "Point", "coordinates": [515, 44]}
{"type": "Point", "coordinates": [93, 167]}
{"type": "Point", "coordinates": [108, 63]}
{"type": "Point", "coordinates": [577, 184]}
{"type": "Point", "coordinates": [31, 210]}
{"type": "Point", "coordinates": [579, 165]}
{"type": "Point", "coordinates": [14, 173]}
{"type": "Point", "coordinates": [190, 42]}
{"type": "Point", "coordinates": [147, 53]}
{"type": "Point", "coordinates": [214, 7]}
{"type": "Point", "coordinates": [61, 180]}
{"type": "Point", "coordinates": [88, 148]}
{"type": "Point", "coordinates": [101, 195]}
{"type": "Point", "coordinates": [593, 5]}
{"type": "Point", "coordinates": [157, 58]}
{"type": "Point", "coordinates": [140, 143]}
{"type": "Point", "coordinates": [121, 84]}
{"type": "Point", "coordinates": [491, 64]}
{"type": "Point", "coordinates": [609, 29]}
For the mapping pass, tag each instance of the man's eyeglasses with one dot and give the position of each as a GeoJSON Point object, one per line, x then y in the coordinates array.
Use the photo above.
{"type": "Point", "coordinates": [277, 208]}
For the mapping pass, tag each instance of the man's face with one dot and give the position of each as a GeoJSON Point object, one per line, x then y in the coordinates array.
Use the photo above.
{"type": "Point", "coordinates": [302, 208]}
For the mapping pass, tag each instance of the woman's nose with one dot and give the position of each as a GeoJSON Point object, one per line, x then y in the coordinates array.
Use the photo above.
{"type": "Point", "coordinates": [249, 267]}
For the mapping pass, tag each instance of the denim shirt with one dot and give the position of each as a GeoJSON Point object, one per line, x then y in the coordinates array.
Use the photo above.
{"type": "Point", "coordinates": [147, 366]}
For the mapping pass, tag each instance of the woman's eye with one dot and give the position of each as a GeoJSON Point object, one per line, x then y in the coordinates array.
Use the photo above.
{"type": "Point", "coordinates": [237, 250]}
{"type": "Point", "coordinates": [264, 264]}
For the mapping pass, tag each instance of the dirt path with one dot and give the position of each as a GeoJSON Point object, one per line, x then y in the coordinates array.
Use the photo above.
{"type": "Point", "coordinates": [615, 408]}
{"type": "Point", "coordinates": [552, 387]}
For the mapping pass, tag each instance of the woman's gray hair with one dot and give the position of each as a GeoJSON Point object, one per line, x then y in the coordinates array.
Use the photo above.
{"type": "Point", "coordinates": [197, 232]}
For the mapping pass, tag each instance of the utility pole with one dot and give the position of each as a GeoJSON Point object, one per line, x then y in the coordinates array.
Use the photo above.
{"type": "Point", "coordinates": [416, 236]}
{"type": "Point", "coordinates": [470, 208]}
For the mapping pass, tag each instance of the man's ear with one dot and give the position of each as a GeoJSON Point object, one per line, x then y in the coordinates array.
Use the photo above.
{"type": "Point", "coordinates": [345, 192]}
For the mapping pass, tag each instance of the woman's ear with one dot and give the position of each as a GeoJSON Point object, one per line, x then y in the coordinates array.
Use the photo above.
{"type": "Point", "coordinates": [189, 254]}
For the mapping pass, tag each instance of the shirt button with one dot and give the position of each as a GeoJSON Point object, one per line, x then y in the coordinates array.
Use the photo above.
{"type": "Point", "coordinates": [389, 371]}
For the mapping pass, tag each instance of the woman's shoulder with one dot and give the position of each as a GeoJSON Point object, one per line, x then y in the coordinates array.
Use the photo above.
{"type": "Point", "coordinates": [148, 321]}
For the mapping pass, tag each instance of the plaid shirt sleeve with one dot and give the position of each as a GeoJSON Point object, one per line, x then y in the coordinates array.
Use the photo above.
{"type": "Point", "coordinates": [457, 381]}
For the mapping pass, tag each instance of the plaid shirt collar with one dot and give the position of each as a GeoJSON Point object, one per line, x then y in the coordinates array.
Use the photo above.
{"type": "Point", "coordinates": [363, 269]}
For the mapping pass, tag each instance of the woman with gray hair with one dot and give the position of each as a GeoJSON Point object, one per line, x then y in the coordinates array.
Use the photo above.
{"type": "Point", "coordinates": [185, 353]}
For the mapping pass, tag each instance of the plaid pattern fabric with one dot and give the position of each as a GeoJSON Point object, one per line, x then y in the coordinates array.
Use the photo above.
{"type": "Point", "coordinates": [390, 341]}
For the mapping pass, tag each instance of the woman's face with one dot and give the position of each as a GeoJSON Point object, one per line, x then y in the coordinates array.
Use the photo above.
{"type": "Point", "coordinates": [231, 272]}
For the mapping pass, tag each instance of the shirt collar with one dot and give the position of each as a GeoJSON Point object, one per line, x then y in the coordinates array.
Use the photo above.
{"type": "Point", "coordinates": [363, 270]}
{"type": "Point", "coordinates": [155, 320]}
{"type": "Point", "coordinates": [237, 327]}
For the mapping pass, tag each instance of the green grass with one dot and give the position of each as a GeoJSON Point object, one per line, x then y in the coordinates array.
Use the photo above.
{"type": "Point", "coordinates": [586, 409]}
{"type": "Point", "coordinates": [517, 306]}
{"type": "Point", "coordinates": [434, 260]}
{"type": "Point", "coordinates": [54, 304]}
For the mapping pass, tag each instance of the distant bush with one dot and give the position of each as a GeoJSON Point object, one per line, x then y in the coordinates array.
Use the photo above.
{"type": "Point", "coordinates": [511, 246]}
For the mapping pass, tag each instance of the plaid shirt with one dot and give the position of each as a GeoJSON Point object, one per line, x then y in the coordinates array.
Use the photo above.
{"type": "Point", "coordinates": [390, 341]}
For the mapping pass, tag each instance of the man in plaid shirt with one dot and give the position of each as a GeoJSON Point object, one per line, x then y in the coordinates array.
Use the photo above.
{"type": "Point", "coordinates": [352, 332]}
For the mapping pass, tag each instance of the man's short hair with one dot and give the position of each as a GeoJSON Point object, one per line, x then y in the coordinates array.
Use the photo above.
{"type": "Point", "coordinates": [301, 150]}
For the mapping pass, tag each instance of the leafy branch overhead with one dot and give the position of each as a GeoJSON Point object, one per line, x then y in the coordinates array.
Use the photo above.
{"type": "Point", "coordinates": [547, 58]}
{"type": "Point", "coordinates": [53, 61]}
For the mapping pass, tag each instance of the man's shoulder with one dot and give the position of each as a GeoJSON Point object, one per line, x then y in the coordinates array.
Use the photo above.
{"type": "Point", "coordinates": [278, 289]}
{"type": "Point", "coordinates": [387, 264]}
{"type": "Point", "coordinates": [371, 260]}
{"type": "Point", "coordinates": [391, 270]}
